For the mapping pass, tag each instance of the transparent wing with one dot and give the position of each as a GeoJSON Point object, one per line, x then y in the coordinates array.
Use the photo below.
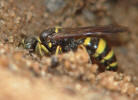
{"type": "Point", "coordinates": [96, 31]}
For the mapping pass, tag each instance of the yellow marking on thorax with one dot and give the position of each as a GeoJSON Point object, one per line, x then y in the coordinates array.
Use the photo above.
{"type": "Point", "coordinates": [87, 41]}
{"type": "Point", "coordinates": [57, 29]}
{"type": "Point", "coordinates": [50, 44]}
{"type": "Point", "coordinates": [101, 47]}
{"type": "Point", "coordinates": [108, 56]}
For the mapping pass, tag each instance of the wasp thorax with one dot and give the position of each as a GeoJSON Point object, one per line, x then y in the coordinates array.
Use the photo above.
{"type": "Point", "coordinates": [45, 34]}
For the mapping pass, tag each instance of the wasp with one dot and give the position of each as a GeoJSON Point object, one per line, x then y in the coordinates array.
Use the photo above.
{"type": "Point", "coordinates": [60, 40]}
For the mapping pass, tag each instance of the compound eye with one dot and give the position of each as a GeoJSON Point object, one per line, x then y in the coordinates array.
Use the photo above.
{"type": "Point", "coordinates": [30, 43]}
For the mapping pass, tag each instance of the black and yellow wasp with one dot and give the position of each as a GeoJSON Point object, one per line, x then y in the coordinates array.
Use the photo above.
{"type": "Point", "coordinates": [59, 40]}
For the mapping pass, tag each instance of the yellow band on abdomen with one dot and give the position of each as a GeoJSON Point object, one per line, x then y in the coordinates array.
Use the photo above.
{"type": "Point", "coordinates": [112, 65]}
{"type": "Point", "coordinates": [108, 56]}
{"type": "Point", "coordinates": [101, 47]}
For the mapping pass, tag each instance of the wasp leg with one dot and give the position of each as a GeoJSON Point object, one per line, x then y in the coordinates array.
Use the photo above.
{"type": "Point", "coordinates": [38, 49]}
{"type": "Point", "coordinates": [58, 50]}
{"type": "Point", "coordinates": [45, 49]}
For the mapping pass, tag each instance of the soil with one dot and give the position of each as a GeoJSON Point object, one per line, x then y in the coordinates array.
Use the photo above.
{"type": "Point", "coordinates": [68, 76]}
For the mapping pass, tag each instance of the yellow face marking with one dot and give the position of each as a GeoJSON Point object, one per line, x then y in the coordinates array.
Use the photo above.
{"type": "Point", "coordinates": [50, 44]}
{"type": "Point", "coordinates": [101, 47]}
{"type": "Point", "coordinates": [108, 56]}
{"type": "Point", "coordinates": [58, 50]}
{"type": "Point", "coordinates": [87, 41]}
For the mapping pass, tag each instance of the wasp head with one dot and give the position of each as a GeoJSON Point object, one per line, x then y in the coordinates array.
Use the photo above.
{"type": "Point", "coordinates": [30, 43]}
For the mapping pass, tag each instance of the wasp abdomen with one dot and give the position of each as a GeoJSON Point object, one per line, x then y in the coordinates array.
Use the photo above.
{"type": "Point", "coordinates": [98, 49]}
